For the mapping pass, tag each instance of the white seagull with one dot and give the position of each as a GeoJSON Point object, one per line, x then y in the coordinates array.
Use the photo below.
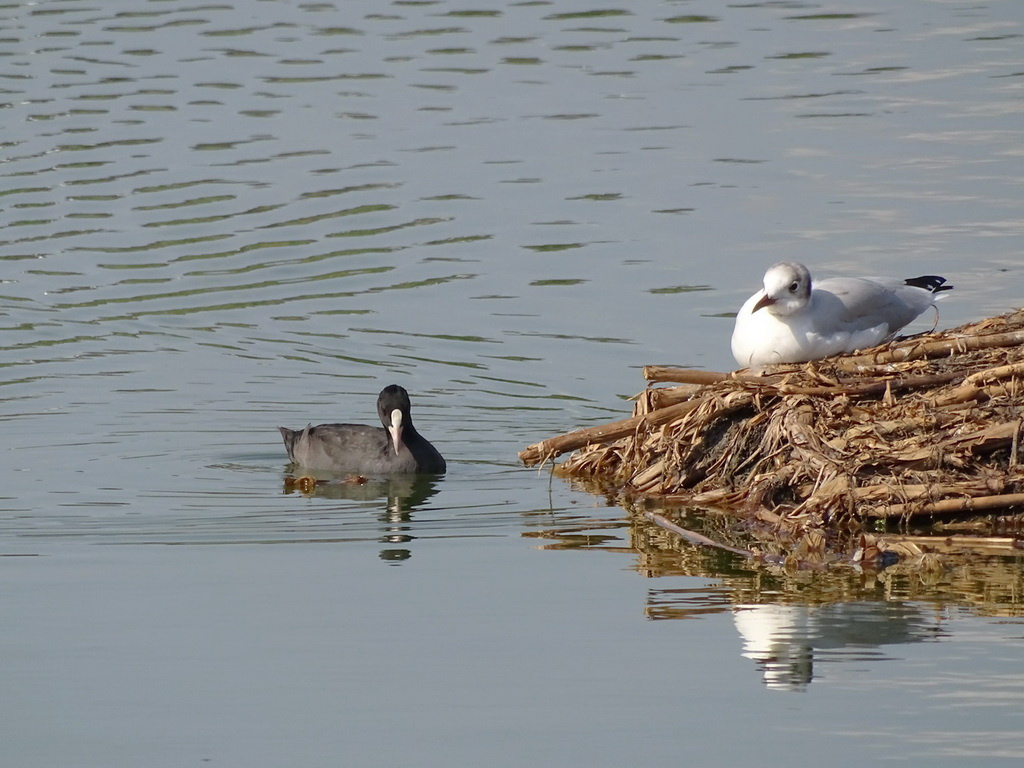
{"type": "Point", "coordinates": [789, 321]}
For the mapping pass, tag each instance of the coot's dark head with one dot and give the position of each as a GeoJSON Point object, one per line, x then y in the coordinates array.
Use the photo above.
{"type": "Point", "coordinates": [393, 408]}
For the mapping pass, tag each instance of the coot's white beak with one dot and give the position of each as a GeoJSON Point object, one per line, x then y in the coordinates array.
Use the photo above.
{"type": "Point", "coordinates": [395, 430]}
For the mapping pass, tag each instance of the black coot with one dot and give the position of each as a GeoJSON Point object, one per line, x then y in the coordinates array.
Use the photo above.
{"type": "Point", "coordinates": [397, 448]}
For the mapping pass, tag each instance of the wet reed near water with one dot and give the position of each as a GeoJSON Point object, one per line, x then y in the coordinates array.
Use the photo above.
{"type": "Point", "coordinates": [921, 430]}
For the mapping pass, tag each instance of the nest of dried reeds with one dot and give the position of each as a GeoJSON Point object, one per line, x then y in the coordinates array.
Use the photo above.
{"type": "Point", "coordinates": [925, 427]}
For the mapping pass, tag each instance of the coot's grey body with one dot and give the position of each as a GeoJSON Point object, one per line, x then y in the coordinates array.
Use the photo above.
{"type": "Point", "coordinates": [397, 448]}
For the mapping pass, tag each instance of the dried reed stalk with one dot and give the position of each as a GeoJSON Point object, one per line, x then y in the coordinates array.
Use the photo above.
{"type": "Point", "coordinates": [692, 536]}
{"type": "Point", "coordinates": [556, 446]}
{"type": "Point", "coordinates": [967, 505]}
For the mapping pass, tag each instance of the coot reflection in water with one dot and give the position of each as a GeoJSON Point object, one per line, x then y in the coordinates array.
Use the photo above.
{"type": "Point", "coordinates": [403, 493]}
{"type": "Point", "coordinates": [400, 495]}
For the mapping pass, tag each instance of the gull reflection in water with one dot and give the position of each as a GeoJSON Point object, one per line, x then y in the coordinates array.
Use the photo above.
{"type": "Point", "coordinates": [787, 640]}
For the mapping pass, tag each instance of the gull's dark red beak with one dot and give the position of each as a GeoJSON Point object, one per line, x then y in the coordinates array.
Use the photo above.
{"type": "Point", "coordinates": [764, 301]}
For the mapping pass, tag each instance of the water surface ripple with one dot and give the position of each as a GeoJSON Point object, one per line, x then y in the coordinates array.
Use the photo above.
{"type": "Point", "coordinates": [216, 218]}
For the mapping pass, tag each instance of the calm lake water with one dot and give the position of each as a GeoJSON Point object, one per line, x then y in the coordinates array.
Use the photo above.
{"type": "Point", "coordinates": [222, 217]}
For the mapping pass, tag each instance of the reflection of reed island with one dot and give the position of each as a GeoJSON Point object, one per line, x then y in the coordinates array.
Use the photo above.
{"type": "Point", "coordinates": [979, 584]}
{"type": "Point", "coordinates": [922, 431]}
{"type": "Point", "coordinates": [791, 621]}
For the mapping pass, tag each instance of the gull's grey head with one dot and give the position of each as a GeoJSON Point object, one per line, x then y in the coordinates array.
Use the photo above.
{"type": "Point", "coordinates": [787, 288]}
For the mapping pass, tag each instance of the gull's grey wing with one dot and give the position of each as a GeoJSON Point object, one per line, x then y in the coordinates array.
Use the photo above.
{"type": "Point", "coordinates": [855, 304]}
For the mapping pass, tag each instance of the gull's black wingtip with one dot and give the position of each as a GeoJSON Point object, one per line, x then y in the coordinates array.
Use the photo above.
{"type": "Point", "coordinates": [931, 283]}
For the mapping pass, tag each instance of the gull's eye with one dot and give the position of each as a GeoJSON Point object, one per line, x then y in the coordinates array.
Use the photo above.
{"type": "Point", "coordinates": [794, 286]}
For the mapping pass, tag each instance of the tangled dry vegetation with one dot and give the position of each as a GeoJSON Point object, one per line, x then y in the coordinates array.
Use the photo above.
{"type": "Point", "coordinates": [924, 429]}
